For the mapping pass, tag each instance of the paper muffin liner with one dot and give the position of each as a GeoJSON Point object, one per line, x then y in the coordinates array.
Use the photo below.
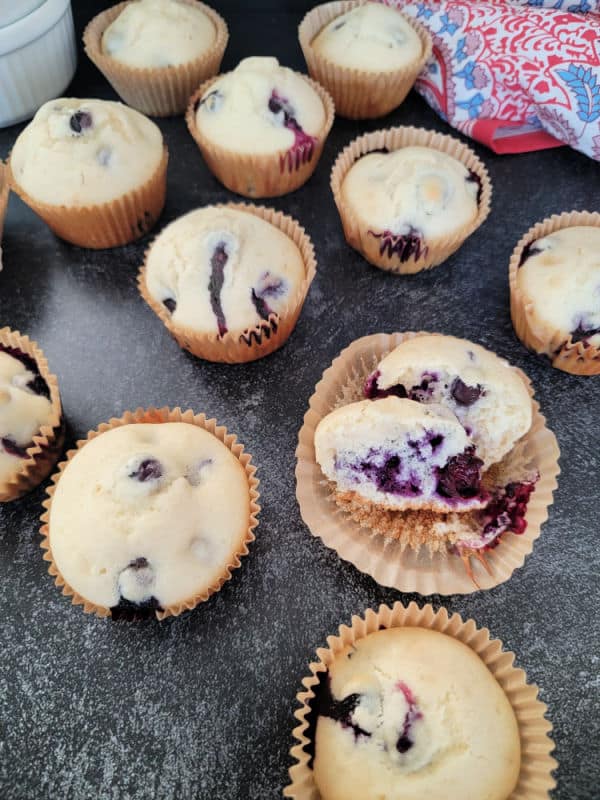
{"type": "Point", "coordinates": [48, 442]}
{"type": "Point", "coordinates": [257, 175]}
{"type": "Point", "coordinates": [4, 191]}
{"type": "Point", "coordinates": [358, 94]}
{"type": "Point", "coordinates": [158, 92]}
{"type": "Point", "coordinates": [157, 416]}
{"type": "Point", "coordinates": [267, 335]}
{"type": "Point", "coordinates": [438, 250]}
{"type": "Point", "coordinates": [568, 356]}
{"type": "Point", "coordinates": [535, 778]}
{"type": "Point", "coordinates": [397, 562]}
{"type": "Point", "coordinates": [110, 224]}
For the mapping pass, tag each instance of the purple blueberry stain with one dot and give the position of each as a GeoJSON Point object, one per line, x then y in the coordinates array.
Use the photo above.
{"type": "Point", "coordinates": [474, 178]}
{"type": "Point", "coordinates": [405, 246]}
{"type": "Point", "coordinates": [583, 332]}
{"type": "Point", "coordinates": [413, 714]}
{"type": "Point", "coordinates": [148, 470]}
{"type": "Point", "coordinates": [301, 152]}
{"type": "Point", "coordinates": [12, 448]}
{"type": "Point", "coordinates": [37, 384]}
{"type": "Point", "coordinates": [218, 260]}
{"type": "Point", "coordinates": [373, 392]}
{"type": "Point", "coordinates": [268, 287]}
{"type": "Point", "coordinates": [460, 478]}
{"type": "Point", "coordinates": [528, 251]}
{"type": "Point", "coordinates": [80, 121]}
{"type": "Point", "coordinates": [463, 394]}
{"type": "Point", "coordinates": [385, 470]}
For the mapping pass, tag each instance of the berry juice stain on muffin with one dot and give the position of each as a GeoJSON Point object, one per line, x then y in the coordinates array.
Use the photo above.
{"type": "Point", "coordinates": [411, 713]}
{"type": "Point", "coordinates": [261, 107]}
{"type": "Point", "coordinates": [147, 516]}
{"type": "Point", "coordinates": [223, 270]}
{"type": "Point", "coordinates": [559, 279]}
{"type": "Point", "coordinates": [24, 407]}
{"type": "Point", "coordinates": [411, 197]}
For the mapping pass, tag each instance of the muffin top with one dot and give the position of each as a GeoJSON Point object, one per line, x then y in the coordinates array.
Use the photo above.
{"type": "Point", "coordinates": [222, 269]}
{"type": "Point", "coordinates": [85, 152]}
{"type": "Point", "coordinates": [24, 408]}
{"type": "Point", "coordinates": [486, 394]}
{"type": "Point", "coordinates": [411, 192]}
{"type": "Point", "coordinates": [158, 33]}
{"type": "Point", "coordinates": [400, 454]}
{"type": "Point", "coordinates": [373, 38]}
{"type": "Point", "coordinates": [148, 515]}
{"type": "Point", "coordinates": [559, 277]}
{"type": "Point", "coordinates": [412, 713]}
{"type": "Point", "coordinates": [260, 108]}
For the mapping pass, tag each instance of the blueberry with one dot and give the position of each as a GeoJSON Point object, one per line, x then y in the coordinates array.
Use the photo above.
{"type": "Point", "coordinates": [461, 476]}
{"type": "Point", "coordinates": [170, 304]}
{"type": "Point", "coordinates": [218, 260]}
{"type": "Point", "coordinates": [39, 386]}
{"type": "Point", "coordinates": [80, 121]}
{"type": "Point", "coordinates": [463, 394]}
{"type": "Point", "coordinates": [149, 470]}
{"type": "Point", "coordinates": [403, 744]}
{"type": "Point", "coordinates": [474, 178]}
{"type": "Point", "coordinates": [406, 246]}
{"type": "Point", "coordinates": [583, 332]}
{"type": "Point", "coordinates": [528, 251]}
{"type": "Point", "coordinates": [12, 448]}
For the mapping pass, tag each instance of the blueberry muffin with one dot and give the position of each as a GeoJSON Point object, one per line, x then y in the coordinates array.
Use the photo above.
{"type": "Point", "coordinates": [400, 454]}
{"type": "Point", "coordinates": [94, 170]}
{"type": "Point", "coordinates": [486, 394]}
{"type": "Point", "coordinates": [367, 56]}
{"type": "Point", "coordinates": [411, 713]}
{"type": "Point", "coordinates": [229, 281]}
{"type": "Point", "coordinates": [261, 128]}
{"type": "Point", "coordinates": [149, 517]}
{"type": "Point", "coordinates": [155, 53]}
{"type": "Point", "coordinates": [555, 296]}
{"type": "Point", "coordinates": [408, 198]}
{"type": "Point", "coordinates": [31, 430]}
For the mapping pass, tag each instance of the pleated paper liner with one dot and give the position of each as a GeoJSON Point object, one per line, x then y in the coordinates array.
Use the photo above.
{"type": "Point", "coordinates": [358, 94]}
{"type": "Point", "coordinates": [159, 92]}
{"type": "Point", "coordinates": [258, 175]}
{"type": "Point", "coordinates": [157, 416]}
{"type": "Point", "coordinates": [535, 778]}
{"type": "Point", "coordinates": [4, 190]}
{"type": "Point", "coordinates": [359, 236]}
{"type": "Point", "coordinates": [568, 356]}
{"type": "Point", "coordinates": [47, 444]}
{"type": "Point", "coordinates": [110, 224]}
{"type": "Point", "coordinates": [399, 561]}
{"type": "Point", "coordinates": [265, 337]}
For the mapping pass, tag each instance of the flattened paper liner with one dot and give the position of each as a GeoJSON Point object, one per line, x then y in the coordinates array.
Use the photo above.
{"type": "Point", "coordinates": [157, 416]}
{"type": "Point", "coordinates": [535, 778]}
{"type": "Point", "coordinates": [109, 224]}
{"type": "Point", "coordinates": [386, 560]}
{"type": "Point", "coordinates": [358, 94]}
{"type": "Point", "coordinates": [358, 236]}
{"type": "Point", "coordinates": [159, 92]}
{"type": "Point", "coordinates": [568, 356]}
{"type": "Point", "coordinates": [260, 175]}
{"type": "Point", "coordinates": [4, 189]}
{"type": "Point", "coordinates": [48, 443]}
{"type": "Point", "coordinates": [267, 335]}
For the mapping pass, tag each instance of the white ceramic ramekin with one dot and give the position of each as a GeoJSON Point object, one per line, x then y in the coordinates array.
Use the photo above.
{"type": "Point", "coordinates": [37, 59]}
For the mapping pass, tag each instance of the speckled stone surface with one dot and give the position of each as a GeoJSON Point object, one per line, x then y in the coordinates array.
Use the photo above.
{"type": "Point", "coordinates": [201, 706]}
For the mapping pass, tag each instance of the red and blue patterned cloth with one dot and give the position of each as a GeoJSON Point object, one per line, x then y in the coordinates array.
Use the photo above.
{"type": "Point", "coordinates": [517, 75]}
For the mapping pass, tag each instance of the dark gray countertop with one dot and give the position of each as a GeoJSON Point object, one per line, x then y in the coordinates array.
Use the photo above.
{"type": "Point", "coordinates": [201, 706]}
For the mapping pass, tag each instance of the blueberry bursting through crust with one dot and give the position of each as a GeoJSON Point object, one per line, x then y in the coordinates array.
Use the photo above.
{"type": "Point", "coordinates": [302, 151]}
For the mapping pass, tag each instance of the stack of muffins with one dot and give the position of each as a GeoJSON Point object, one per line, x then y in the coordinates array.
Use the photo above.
{"type": "Point", "coordinates": [423, 459]}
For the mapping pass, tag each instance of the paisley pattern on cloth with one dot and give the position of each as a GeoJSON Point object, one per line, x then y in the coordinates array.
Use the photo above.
{"type": "Point", "coordinates": [516, 75]}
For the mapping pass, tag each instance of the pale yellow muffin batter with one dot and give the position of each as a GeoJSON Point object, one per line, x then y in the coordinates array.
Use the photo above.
{"type": "Point", "coordinates": [372, 38]}
{"type": "Point", "coordinates": [148, 514]}
{"type": "Point", "coordinates": [158, 33]}
{"type": "Point", "coordinates": [409, 714]}
{"type": "Point", "coordinates": [220, 269]}
{"type": "Point", "coordinates": [85, 152]}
